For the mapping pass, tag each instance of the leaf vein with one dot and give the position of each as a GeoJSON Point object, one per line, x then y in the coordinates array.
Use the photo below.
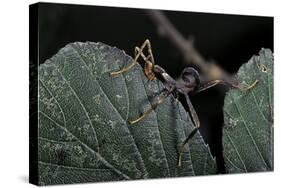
{"type": "Point", "coordinates": [239, 156]}
{"type": "Point", "coordinates": [256, 102]}
{"type": "Point", "coordinates": [232, 163]}
{"type": "Point", "coordinates": [82, 105]}
{"type": "Point", "coordinates": [106, 163]}
{"type": "Point", "coordinates": [110, 102]}
{"type": "Point", "coordinates": [161, 141]}
{"type": "Point", "coordinates": [72, 167]}
{"type": "Point", "coordinates": [248, 131]}
{"type": "Point", "coordinates": [63, 115]}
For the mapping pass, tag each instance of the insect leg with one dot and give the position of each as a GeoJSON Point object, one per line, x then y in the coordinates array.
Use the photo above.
{"type": "Point", "coordinates": [159, 100]}
{"type": "Point", "coordinates": [209, 85]}
{"type": "Point", "coordinates": [150, 54]}
{"type": "Point", "coordinates": [194, 116]}
{"type": "Point", "coordinates": [196, 122]}
{"type": "Point", "coordinates": [247, 87]}
{"type": "Point", "coordinates": [137, 55]}
{"type": "Point", "coordinates": [138, 50]}
{"type": "Point", "coordinates": [213, 83]}
{"type": "Point", "coordinates": [149, 64]}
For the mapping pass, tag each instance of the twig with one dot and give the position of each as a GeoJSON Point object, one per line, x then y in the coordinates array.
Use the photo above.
{"type": "Point", "coordinates": [211, 71]}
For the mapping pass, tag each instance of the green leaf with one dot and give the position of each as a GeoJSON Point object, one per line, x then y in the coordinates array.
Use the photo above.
{"type": "Point", "coordinates": [84, 135]}
{"type": "Point", "coordinates": [248, 117]}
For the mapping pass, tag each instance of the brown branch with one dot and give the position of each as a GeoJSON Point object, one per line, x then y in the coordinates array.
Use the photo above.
{"type": "Point", "coordinates": [210, 71]}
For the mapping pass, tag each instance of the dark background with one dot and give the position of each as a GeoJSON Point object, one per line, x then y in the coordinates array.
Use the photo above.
{"type": "Point", "coordinates": [229, 40]}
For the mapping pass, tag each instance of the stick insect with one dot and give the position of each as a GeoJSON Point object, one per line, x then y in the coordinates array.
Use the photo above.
{"type": "Point", "coordinates": [189, 81]}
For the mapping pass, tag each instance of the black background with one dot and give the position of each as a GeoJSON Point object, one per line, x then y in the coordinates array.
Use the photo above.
{"type": "Point", "coordinates": [229, 40]}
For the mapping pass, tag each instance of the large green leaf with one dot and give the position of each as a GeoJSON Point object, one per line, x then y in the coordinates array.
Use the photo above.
{"type": "Point", "coordinates": [248, 116]}
{"type": "Point", "coordinates": [83, 131]}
